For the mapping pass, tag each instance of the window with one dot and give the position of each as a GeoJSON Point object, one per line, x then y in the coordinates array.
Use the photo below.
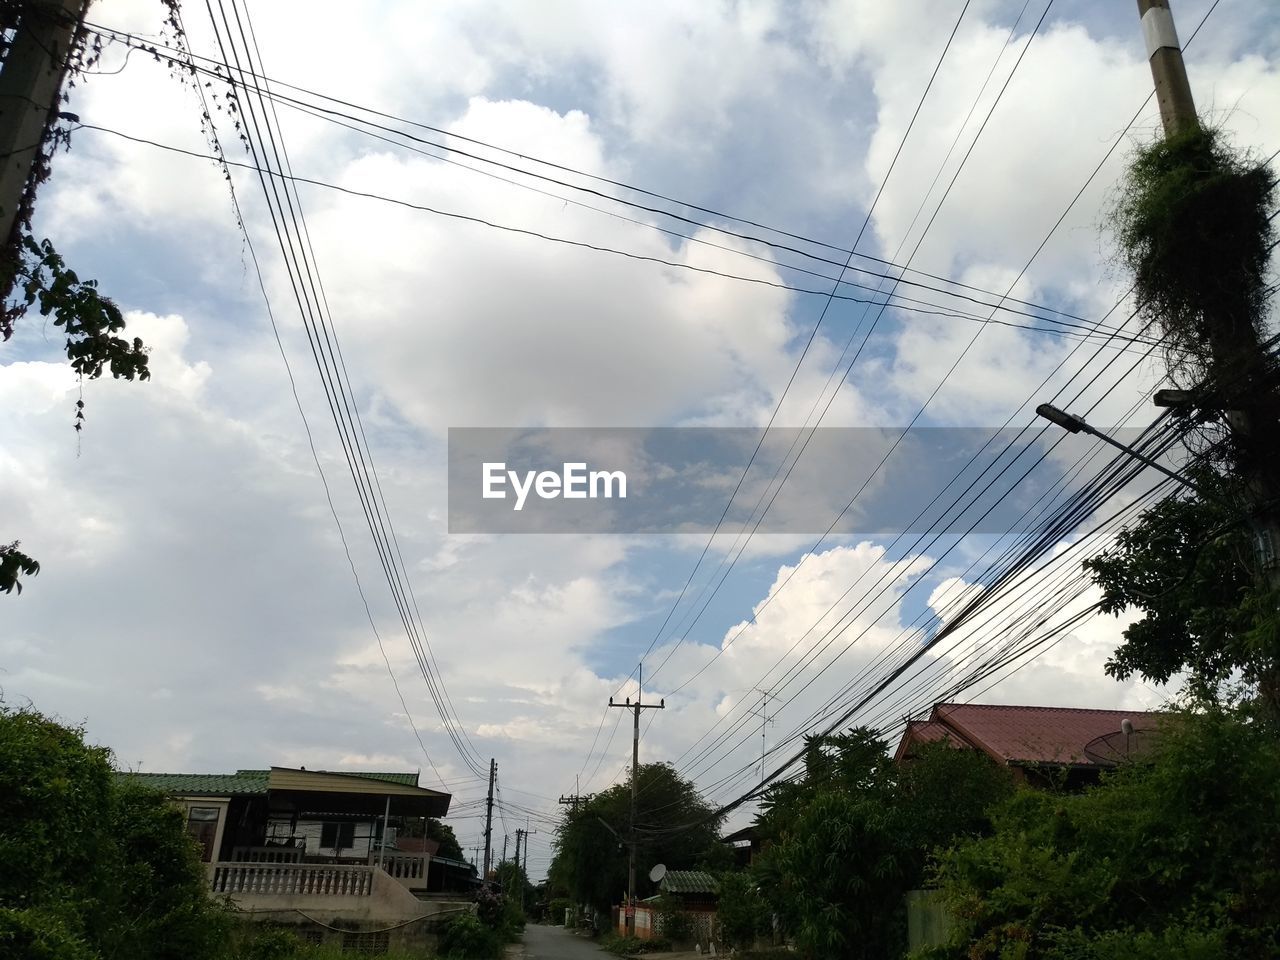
{"type": "Point", "coordinates": [202, 825]}
{"type": "Point", "coordinates": [337, 835]}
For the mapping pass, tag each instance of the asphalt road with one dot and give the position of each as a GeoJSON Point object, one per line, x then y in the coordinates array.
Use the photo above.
{"type": "Point", "coordinates": [557, 943]}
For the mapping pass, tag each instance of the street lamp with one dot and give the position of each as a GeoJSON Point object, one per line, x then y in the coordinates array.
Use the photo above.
{"type": "Point", "coordinates": [1073, 424]}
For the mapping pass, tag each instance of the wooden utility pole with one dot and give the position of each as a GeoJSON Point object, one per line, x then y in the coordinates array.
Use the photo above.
{"type": "Point", "coordinates": [636, 707]}
{"type": "Point", "coordinates": [488, 822]}
{"type": "Point", "coordinates": [1238, 363]}
{"type": "Point", "coordinates": [30, 90]}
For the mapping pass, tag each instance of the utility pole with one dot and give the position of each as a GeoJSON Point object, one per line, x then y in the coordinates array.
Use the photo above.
{"type": "Point", "coordinates": [765, 720]}
{"type": "Point", "coordinates": [30, 89]}
{"type": "Point", "coordinates": [1173, 89]}
{"type": "Point", "coordinates": [635, 783]}
{"type": "Point", "coordinates": [488, 822]}
{"type": "Point", "coordinates": [1238, 364]}
{"type": "Point", "coordinates": [574, 799]}
{"type": "Point", "coordinates": [505, 838]}
{"type": "Point", "coordinates": [525, 872]}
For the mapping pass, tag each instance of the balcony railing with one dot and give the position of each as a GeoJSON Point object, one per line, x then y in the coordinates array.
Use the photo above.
{"type": "Point", "coordinates": [292, 879]}
{"type": "Point", "coordinates": [268, 854]}
{"type": "Point", "coordinates": [404, 866]}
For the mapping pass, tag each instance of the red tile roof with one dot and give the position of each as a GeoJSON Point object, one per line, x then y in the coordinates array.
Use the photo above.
{"type": "Point", "coordinates": [1018, 735]}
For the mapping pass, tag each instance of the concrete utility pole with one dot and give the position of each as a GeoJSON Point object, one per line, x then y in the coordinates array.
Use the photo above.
{"type": "Point", "coordinates": [519, 837]}
{"type": "Point", "coordinates": [636, 707]}
{"type": "Point", "coordinates": [1238, 361]}
{"type": "Point", "coordinates": [488, 822]}
{"type": "Point", "coordinates": [30, 88]}
{"type": "Point", "coordinates": [525, 870]}
{"type": "Point", "coordinates": [505, 838]}
{"type": "Point", "coordinates": [1173, 89]}
{"type": "Point", "coordinates": [1239, 379]}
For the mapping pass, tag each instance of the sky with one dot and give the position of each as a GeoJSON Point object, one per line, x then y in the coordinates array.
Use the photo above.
{"type": "Point", "coordinates": [198, 608]}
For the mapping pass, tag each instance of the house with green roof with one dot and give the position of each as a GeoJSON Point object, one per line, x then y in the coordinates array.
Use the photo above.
{"type": "Point", "coordinates": [340, 849]}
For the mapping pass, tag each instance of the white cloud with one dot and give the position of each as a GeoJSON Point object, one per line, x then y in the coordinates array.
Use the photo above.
{"type": "Point", "coordinates": [195, 605]}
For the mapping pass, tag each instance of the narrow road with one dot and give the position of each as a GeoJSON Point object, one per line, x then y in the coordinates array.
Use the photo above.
{"type": "Point", "coordinates": [557, 943]}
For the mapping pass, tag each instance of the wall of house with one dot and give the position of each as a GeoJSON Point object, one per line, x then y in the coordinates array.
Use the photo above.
{"type": "Point", "coordinates": [389, 916]}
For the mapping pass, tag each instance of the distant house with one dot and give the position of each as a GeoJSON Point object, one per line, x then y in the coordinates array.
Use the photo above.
{"type": "Point", "coordinates": [746, 844]}
{"type": "Point", "coordinates": [697, 895]}
{"type": "Point", "coordinates": [1040, 744]}
{"type": "Point", "coordinates": [326, 846]}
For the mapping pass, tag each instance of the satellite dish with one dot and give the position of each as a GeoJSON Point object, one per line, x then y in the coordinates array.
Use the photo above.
{"type": "Point", "coordinates": [658, 872]}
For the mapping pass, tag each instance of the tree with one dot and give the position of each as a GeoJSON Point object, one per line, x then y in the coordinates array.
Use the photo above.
{"type": "Point", "coordinates": [1176, 856]}
{"type": "Point", "coordinates": [856, 832]}
{"type": "Point", "coordinates": [741, 913]}
{"type": "Point", "coordinates": [443, 834]}
{"type": "Point", "coordinates": [91, 868]}
{"type": "Point", "coordinates": [33, 273]}
{"type": "Point", "coordinates": [14, 564]}
{"type": "Point", "coordinates": [674, 825]}
{"type": "Point", "coordinates": [1185, 565]}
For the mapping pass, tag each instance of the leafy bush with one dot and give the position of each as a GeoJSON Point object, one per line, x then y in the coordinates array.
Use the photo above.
{"type": "Point", "coordinates": [38, 935]}
{"type": "Point", "coordinates": [89, 866]}
{"type": "Point", "coordinates": [742, 913]}
{"type": "Point", "coordinates": [265, 943]}
{"type": "Point", "coordinates": [465, 937]}
{"type": "Point", "coordinates": [626, 946]}
{"type": "Point", "coordinates": [673, 920]}
{"type": "Point", "coordinates": [556, 909]}
{"type": "Point", "coordinates": [1176, 857]}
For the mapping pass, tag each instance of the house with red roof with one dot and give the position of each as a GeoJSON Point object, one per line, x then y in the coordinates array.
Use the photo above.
{"type": "Point", "coordinates": [1042, 745]}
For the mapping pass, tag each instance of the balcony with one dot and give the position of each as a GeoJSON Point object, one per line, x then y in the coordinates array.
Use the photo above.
{"type": "Point", "coordinates": [262, 878]}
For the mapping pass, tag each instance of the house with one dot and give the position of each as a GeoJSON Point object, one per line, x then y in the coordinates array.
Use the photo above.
{"type": "Point", "coordinates": [746, 844]}
{"type": "Point", "coordinates": [1042, 745]}
{"type": "Point", "coordinates": [697, 895]}
{"type": "Point", "coordinates": [321, 850]}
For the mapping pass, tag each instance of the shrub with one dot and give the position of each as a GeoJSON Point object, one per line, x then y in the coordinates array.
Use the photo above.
{"type": "Point", "coordinates": [556, 909]}
{"type": "Point", "coordinates": [742, 912]}
{"type": "Point", "coordinates": [466, 938]}
{"type": "Point", "coordinates": [90, 866]}
{"type": "Point", "coordinates": [268, 944]}
{"type": "Point", "coordinates": [626, 946]}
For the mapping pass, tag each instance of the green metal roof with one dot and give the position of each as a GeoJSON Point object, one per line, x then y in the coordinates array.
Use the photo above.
{"type": "Point", "coordinates": [689, 881]}
{"type": "Point", "coordinates": [239, 784]}
{"type": "Point", "coordinates": [405, 779]}
{"type": "Point", "coordinates": [242, 783]}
